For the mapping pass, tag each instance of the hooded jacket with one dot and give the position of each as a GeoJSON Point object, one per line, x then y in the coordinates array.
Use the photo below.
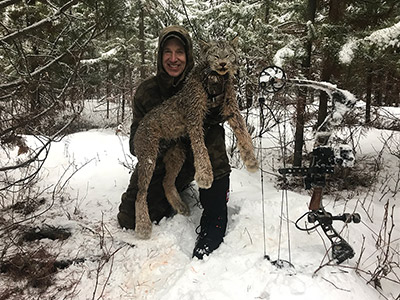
{"type": "Point", "coordinates": [154, 90]}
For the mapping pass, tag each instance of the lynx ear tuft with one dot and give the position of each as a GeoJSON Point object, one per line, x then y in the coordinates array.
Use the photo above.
{"type": "Point", "coordinates": [235, 42]}
{"type": "Point", "coordinates": [204, 45]}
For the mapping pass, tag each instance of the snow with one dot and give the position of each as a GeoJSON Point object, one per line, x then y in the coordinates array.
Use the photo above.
{"type": "Point", "coordinates": [346, 54]}
{"type": "Point", "coordinates": [386, 37]}
{"type": "Point", "coordinates": [382, 39]}
{"type": "Point", "coordinates": [162, 267]}
{"type": "Point", "coordinates": [103, 56]}
{"type": "Point", "coordinates": [282, 55]}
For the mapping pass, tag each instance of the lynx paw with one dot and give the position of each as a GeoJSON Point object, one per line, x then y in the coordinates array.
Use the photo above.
{"type": "Point", "coordinates": [252, 165]}
{"type": "Point", "coordinates": [203, 180]}
{"type": "Point", "coordinates": [182, 208]}
{"type": "Point", "coordinates": [143, 230]}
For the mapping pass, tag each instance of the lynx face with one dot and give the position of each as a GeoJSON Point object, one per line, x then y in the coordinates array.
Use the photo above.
{"type": "Point", "coordinates": [221, 56]}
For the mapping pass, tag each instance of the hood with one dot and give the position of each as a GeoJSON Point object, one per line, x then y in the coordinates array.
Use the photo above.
{"type": "Point", "coordinates": [168, 84]}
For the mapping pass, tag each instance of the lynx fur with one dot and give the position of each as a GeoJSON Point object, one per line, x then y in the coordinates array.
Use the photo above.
{"type": "Point", "coordinates": [184, 114]}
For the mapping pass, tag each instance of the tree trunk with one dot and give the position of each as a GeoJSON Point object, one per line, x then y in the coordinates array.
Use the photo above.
{"type": "Point", "coordinates": [123, 93]}
{"type": "Point", "coordinates": [336, 13]}
{"type": "Point", "coordinates": [267, 10]}
{"type": "Point", "coordinates": [389, 88]}
{"type": "Point", "coordinates": [141, 42]}
{"type": "Point", "coordinates": [299, 135]}
{"type": "Point", "coordinates": [301, 101]}
{"type": "Point", "coordinates": [108, 84]}
{"type": "Point", "coordinates": [327, 71]}
{"type": "Point", "coordinates": [368, 97]}
{"type": "Point", "coordinates": [378, 88]}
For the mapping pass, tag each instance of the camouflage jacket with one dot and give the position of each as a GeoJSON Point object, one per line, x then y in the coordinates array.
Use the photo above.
{"type": "Point", "coordinates": [154, 90]}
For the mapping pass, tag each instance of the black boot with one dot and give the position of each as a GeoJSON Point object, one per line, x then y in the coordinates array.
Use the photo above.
{"type": "Point", "coordinates": [211, 235]}
{"type": "Point", "coordinates": [214, 219]}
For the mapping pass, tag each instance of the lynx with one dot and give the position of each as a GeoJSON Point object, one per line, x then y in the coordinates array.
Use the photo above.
{"type": "Point", "coordinates": [183, 114]}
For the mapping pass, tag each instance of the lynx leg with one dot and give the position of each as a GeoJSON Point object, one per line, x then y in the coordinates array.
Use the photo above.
{"type": "Point", "coordinates": [203, 169]}
{"type": "Point", "coordinates": [245, 144]}
{"type": "Point", "coordinates": [145, 172]}
{"type": "Point", "coordinates": [143, 225]}
{"type": "Point", "coordinates": [174, 159]}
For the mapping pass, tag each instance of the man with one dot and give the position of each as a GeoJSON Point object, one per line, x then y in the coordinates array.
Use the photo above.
{"type": "Point", "coordinates": [174, 62]}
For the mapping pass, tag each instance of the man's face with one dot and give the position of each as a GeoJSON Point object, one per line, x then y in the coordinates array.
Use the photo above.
{"type": "Point", "coordinates": [173, 57]}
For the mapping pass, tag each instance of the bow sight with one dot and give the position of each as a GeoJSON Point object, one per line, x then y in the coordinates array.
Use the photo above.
{"type": "Point", "coordinates": [323, 160]}
{"type": "Point", "coordinates": [272, 79]}
{"type": "Point", "coordinates": [322, 163]}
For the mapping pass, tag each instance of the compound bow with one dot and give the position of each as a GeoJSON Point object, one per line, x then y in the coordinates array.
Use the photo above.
{"type": "Point", "coordinates": [323, 159]}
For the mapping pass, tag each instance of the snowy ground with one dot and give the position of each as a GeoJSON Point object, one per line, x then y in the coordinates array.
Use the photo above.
{"type": "Point", "coordinates": [162, 267]}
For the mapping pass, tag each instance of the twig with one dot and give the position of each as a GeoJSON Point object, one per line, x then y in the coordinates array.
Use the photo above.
{"type": "Point", "coordinates": [342, 289]}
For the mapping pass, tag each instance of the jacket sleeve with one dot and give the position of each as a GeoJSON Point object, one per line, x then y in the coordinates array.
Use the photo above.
{"type": "Point", "coordinates": [138, 112]}
{"type": "Point", "coordinates": [147, 96]}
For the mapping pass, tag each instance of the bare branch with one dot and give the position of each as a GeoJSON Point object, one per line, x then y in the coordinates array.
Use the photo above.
{"type": "Point", "coordinates": [35, 157]}
{"type": "Point", "coordinates": [16, 34]}
{"type": "Point", "coordinates": [26, 121]}
{"type": "Point", "coordinates": [49, 64]}
{"type": "Point", "coordinates": [6, 3]}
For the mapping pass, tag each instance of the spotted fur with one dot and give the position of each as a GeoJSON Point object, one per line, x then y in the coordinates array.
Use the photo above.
{"type": "Point", "coordinates": [184, 114]}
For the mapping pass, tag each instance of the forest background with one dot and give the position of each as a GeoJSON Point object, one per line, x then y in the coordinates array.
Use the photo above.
{"type": "Point", "coordinates": [55, 54]}
{"type": "Point", "coordinates": [59, 57]}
